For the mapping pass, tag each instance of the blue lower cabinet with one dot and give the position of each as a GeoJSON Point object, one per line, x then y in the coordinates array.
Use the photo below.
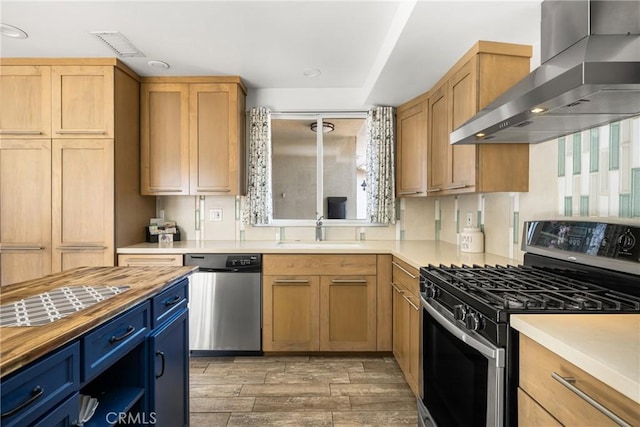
{"type": "Point", "coordinates": [35, 390]}
{"type": "Point", "coordinates": [65, 414]}
{"type": "Point", "coordinates": [168, 390]}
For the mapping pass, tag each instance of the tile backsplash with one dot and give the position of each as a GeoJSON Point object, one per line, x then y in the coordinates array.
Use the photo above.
{"type": "Point", "coordinates": [594, 174]}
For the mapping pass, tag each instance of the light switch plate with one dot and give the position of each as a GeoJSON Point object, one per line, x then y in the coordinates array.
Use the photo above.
{"type": "Point", "coordinates": [215, 214]}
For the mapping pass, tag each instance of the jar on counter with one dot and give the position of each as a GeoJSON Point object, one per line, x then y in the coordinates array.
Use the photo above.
{"type": "Point", "coordinates": [471, 240]}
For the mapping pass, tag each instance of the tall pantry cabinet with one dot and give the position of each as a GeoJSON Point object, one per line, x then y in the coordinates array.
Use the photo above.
{"type": "Point", "coordinates": [69, 165]}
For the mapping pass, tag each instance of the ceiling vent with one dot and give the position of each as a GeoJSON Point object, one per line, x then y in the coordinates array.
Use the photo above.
{"type": "Point", "coordinates": [118, 43]}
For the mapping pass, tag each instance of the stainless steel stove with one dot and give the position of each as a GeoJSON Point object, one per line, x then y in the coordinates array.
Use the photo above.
{"type": "Point", "coordinates": [467, 346]}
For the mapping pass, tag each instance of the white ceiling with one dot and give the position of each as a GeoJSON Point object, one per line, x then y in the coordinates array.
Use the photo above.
{"type": "Point", "coordinates": [379, 52]}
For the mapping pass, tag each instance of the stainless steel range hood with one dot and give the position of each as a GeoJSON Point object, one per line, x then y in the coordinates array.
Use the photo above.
{"type": "Point", "coordinates": [590, 76]}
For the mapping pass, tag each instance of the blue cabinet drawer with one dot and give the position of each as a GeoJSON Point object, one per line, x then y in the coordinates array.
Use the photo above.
{"type": "Point", "coordinates": [109, 342]}
{"type": "Point", "coordinates": [32, 391]}
{"type": "Point", "coordinates": [64, 415]}
{"type": "Point", "coordinates": [169, 302]}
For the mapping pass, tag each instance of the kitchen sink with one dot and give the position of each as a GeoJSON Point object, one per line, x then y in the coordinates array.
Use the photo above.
{"type": "Point", "coordinates": [55, 304]}
{"type": "Point", "coordinates": [324, 244]}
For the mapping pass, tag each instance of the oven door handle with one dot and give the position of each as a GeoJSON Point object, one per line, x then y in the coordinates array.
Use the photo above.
{"type": "Point", "coordinates": [496, 354]}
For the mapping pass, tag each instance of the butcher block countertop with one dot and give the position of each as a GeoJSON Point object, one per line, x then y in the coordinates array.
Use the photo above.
{"type": "Point", "coordinates": [24, 344]}
{"type": "Point", "coordinates": [606, 346]}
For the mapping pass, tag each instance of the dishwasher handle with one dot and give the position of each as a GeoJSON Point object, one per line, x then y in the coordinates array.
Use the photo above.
{"type": "Point", "coordinates": [218, 270]}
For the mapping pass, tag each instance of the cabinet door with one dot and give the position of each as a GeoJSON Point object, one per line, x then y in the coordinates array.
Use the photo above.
{"type": "Point", "coordinates": [399, 326]}
{"type": "Point", "coordinates": [214, 139]}
{"type": "Point", "coordinates": [411, 171]}
{"type": "Point", "coordinates": [25, 110]}
{"type": "Point", "coordinates": [164, 116]}
{"type": "Point", "coordinates": [82, 203]}
{"type": "Point", "coordinates": [413, 350]}
{"type": "Point", "coordinates": [348, 313]}
{"type": "Point", "coordinates": [464, 104]}
{"type": "Point", "coordinates": [291, 313]}
{"type": "Point", "coordinates": [169, 373]}
{"type": "Point", "coordinates": [82, 101]}
{"type": "Point", "coordinates": [530, 414]}
{"type": "Point", "coordinates": [438, 146]}
{"type": "Point", "coordinates": [25, 203]}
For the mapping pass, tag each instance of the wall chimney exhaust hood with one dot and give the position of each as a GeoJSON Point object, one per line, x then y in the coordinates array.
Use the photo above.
{"type": "Point", "coordinates": [590, 76]}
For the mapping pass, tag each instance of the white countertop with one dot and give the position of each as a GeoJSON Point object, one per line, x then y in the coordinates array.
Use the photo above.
{"type": "Point", "coordinates": [417, 253]}
{"type": "Point", "coordinates": [607, 346]}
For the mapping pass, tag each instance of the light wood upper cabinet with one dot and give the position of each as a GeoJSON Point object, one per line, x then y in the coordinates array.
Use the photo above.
{"type": "Point", "coordinates": [193, 132]}
{"type": "Point", "coordinates": [25, 203]}
{"type": "Point", "coordinates": [438, 145]}
{"type": "Point", "coordinates": [164, 138]}
{"type": "Point", "coordinates": [83, 203]}
{"type": "Point", "coordinates": [82, 101]}
{"type": "Point", "coordinates": [216, 139]}
{"type": "Point", "coordinates": [411, 164]}
{"type": "Point", "coordinates": [25, 110]}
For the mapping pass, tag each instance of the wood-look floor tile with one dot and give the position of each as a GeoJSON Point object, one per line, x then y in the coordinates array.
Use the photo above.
{"type": "Point", "coordinates": [376, 377]}
{"type": "Point", "coordinates": [335, 359]}
{"type": "Point", "coordinates": [221, 404]}
{"type": "Point", "coordinates": [208, 419]}
{"type": "Point", "coordinates": [270, 359]}
{"type": "Point", "coordinates": [382, 403]}
{"type": "Point", "coordinates": [262, 419]}
{"type": "Point", "coordinates": [383, 366]}
{"type": "Point", "coordinates": [285, 390]}
{"type": "Point", "coordinates": [249, 378]}
{"type": "Point", "coordinates": [307, 378]}
{"type": "Point", "coordinates": [302, 403]}
{"type": "Point", "coordinates": [328, 366]}
{"type": "Point", "coordinates": [215, 390]}
{"type": "Point", "coordinates": [370, 390]}
{"type": "Point", "coordinates": [375, 418]}
{"type": "Point", "coordinates": [207, 359]}
{"type": "Point", "coordinates": [244, 368]}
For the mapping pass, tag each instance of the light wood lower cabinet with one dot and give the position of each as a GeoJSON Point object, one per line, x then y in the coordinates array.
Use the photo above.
{"type": "Point", "coordinates": [554, 384]}
{"type": "Point", "coordinates": [406, 321]}
{"type": "Point", "coordinates": [530, 414]}
{"type": "Point", "coordinates": [164, 260]}
{"type": "Point", "coordinates": [320, 303]}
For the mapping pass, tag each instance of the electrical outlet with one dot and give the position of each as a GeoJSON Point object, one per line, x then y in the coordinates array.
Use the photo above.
{"type": "Point", "coordinates": [469, 219]}
{"type": "Point", "coordinates": [215, 214]}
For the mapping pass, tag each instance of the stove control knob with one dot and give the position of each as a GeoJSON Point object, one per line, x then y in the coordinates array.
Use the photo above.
{"type": "Point", "coordinates": [473, 321]}
{"type": "Point", "coordinates": [627, 241]}
{"type": "Point", "coordinates": [431, 291]}
{"type": "Point", "coordinates": [459, 312]}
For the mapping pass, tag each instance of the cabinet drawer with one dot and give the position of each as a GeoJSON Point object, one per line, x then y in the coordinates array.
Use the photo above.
{"type": "Point", "coordinates": [34, 390]}
{"type": "Point", "coordinates": [406, 276]}
{"type": "Point", "coordinates": [111, 341]}
{"type": "Point", "coordinates": [537, 364]}
{"type": "Point", "coordinates": [169, 302]}
{"type": "Point", "coordinates": [150, 260]}
{"type": "Point", "coordinates": [319, 264]}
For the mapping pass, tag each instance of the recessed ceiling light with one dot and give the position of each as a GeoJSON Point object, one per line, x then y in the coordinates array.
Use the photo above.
{"type": "Point", "coordinates": [538, 110]}
{"type": "Point", "coordinates": [13, 32]}
{"type": "Point", "coordinates": [311, 72]}
{"type": "Point", "coordinates": [480, 135]}
{"type": "Point", "coordinates": [158, 64]}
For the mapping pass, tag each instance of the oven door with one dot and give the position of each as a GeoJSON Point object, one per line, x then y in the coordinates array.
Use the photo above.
{"type": "Point", "coordinates": [462, 374]}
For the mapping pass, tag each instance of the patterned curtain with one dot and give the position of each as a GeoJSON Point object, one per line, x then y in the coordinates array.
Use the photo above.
{"type": "Point", "coordinates": [381, 199]}
{"type": "Point", "coordinates": [259, 204]}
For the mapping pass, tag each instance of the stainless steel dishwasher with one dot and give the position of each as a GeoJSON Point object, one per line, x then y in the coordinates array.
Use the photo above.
{"type": "Point", "coordinates": [225, 304]}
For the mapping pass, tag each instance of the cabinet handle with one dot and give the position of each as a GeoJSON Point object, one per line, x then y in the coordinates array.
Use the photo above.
{"type": "Point", "coordinates": [416, 308]}
{"type": "Point", "coordinates": [176, 299]}
{"type": "Point", "coordinates": [150, 260]}
{"type": "Point", "coordinates": [568, 383]}
{"type": "Point", "coordinates": [82, 248]}
{"type": "Point", "coordinates": [226, 190]}
{"type": "Point", "coordinates": [162, 190]}
{"type": "Point", "coordinates": [161, 354]}
{"type": "Point", "coordinates": [36, 393]}
{"type": "Point", "coordinates": [393, 285]}
{"type": "Point", "coordinates": [403, 193]}
{"type": "Point", "coordinates": [19, 132]}
{"type": "Point", "coordinates": [21, 248]}
{"type": "Point", "coordinates": [130, 330]}
{"type": "Point", "coordinates": [349, 281]}
{"type": "Point", "coordinates": [290, 281]}
{"type": "Point", "coordinates": [455, 187]}
{"type": "Point", "coordinates": [80, 131]}
{"type": "Point", "coordinates": [434, 190]}
{"type": "Point", "coordinates": [403, 269]}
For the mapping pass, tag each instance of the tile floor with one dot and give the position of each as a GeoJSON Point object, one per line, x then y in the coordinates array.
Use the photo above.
{"type": "Point", "coordinates": [299, 391]}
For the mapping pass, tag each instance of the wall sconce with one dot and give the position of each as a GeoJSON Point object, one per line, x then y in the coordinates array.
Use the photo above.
{"type": "Point", "coordinates": [326, 127]}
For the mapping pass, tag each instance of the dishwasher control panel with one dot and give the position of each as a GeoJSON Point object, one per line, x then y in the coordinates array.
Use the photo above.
{"type": "Point", "coordinates": [234, 261]}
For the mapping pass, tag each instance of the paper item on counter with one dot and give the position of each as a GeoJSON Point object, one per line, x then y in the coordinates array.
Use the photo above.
{"type": "Point", "coordinates": [162, 227]}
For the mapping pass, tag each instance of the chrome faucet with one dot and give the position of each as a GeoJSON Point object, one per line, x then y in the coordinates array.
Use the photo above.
{"type": "Point", "coordinates": [319, 229]}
